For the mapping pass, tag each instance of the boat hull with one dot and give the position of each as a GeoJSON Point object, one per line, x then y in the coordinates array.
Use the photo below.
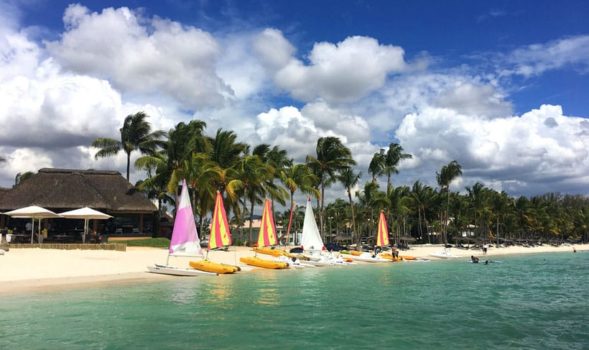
{"type": "Point", "coordinates": [267, 264]}
{"type": "Point", "coordinates": [210, 266]}
{"type": "Point", "coordinates": [176, 271]}
{"type": "Point", "coordinates": [272, 252]}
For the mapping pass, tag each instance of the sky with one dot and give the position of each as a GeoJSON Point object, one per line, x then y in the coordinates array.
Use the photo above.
{"type": "Point", "coordinates": [500, 86]}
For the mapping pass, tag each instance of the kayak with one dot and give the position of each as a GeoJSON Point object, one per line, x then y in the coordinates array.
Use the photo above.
{"type": "Point", "coordinates": [267, 264]}
{"type": "Point", "coordinates": [407, 257]}
{"type": "Point", "coordinates": [210, 266]}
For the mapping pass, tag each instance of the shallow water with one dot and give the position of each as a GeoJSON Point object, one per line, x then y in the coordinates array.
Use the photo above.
{"type": "Point", "coordinates": [523, 302]}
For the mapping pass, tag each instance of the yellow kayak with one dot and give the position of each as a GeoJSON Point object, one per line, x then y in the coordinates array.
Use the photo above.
{"type": "Point", "coordinates": [209, 266]}
{"type": "Point", "coordinates": [267, 264]}
{"type": "Point", "coordinates": [408, 257]}
{"type": "Point", "coordinates": [273, 252]}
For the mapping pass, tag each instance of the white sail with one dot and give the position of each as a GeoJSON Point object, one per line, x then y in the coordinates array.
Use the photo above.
{"type": "Point", "coordinates": [311, 240]}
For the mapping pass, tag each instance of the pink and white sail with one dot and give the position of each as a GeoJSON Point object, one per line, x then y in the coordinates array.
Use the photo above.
{"type": "Point", "coordinates": [185, 240]}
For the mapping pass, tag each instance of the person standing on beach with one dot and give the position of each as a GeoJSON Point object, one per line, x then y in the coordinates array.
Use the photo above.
{"type": "Point", "coordinates": [485, 247]}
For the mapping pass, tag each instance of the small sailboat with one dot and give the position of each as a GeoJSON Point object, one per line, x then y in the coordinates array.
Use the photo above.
{"type": "Point", "coordinates": [266, 238]}
{"type": "Point", "coordinates": [184, 240]}
{"type": "Point", "coordinates": [313, 247]}
{"type": "Point", "coordinates": [220, 237]}
{"type": "Point", "coordinates": [382, 240]}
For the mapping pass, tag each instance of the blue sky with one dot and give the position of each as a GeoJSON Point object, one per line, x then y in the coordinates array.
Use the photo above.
{"type": "Point", "coordinates": [500, 86]}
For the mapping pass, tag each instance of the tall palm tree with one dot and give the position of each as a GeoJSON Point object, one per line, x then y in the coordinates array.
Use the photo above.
{"type": "Point", "coordinates": [350, 179]}
{"type": "Point", "coordinates": [136, 134]}
{"type": "Point", "coordinates": [446, 175]}
{"type": "Point", "coordinates": [391, 160]}
{"type": "Point", "coordinates": [332, 157]}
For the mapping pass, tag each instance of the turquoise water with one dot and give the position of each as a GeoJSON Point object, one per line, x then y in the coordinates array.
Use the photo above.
{"type": "Point", "coordinates": [523, 302]}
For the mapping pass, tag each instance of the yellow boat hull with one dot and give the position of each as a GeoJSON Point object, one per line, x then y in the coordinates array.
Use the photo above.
{"type": "Point", "coordinates": [209, 266]}
{"type": "Point", "coordinates": [389, 256]}
{"type": "Point", "coordinates": [267, 264]}
{"type": "Point", "coordinates": [272, 252]}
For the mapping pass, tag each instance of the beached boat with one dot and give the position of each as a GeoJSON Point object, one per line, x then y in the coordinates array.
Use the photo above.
{"type": "Point", "coordinates": [272, 252]}
{"type": "Point", "coordinates": [184, 240]}
{"type": "Point", "coordinates": [266, 238]}
{"type": "Point", "coordinates": [443, 254]}
{"type": "Point", "coordinates": [211, 266]}
{"type": "Point", "coordinates": [382, 240]}
{"type": "Point", "coordinates": [220, 237]}
{"type": "Point", "coordinates": [313, 247]}
{"type": "Point", "coordinates": [264, 263]}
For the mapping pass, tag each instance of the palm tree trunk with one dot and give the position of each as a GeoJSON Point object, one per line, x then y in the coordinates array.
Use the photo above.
{"type": "Point", "coordinates": [353, 215]}
{"type": "Point", "coordinates": [128, 164]}
{"type": "Point", "coordinates": [251, 215]}
{"type": "Point", "coordinates": [290, 218]}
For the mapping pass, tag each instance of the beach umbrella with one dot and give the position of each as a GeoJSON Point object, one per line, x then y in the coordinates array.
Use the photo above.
{"type": "Point", "coordinates": [33, 212]}
{"type": "Point", "coordinates": [86, 214]}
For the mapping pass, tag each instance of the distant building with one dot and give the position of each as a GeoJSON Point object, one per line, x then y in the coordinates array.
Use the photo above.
{"type": "Point", "coordinates": [65, 189]}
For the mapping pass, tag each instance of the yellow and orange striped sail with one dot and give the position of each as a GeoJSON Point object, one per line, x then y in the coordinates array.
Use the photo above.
{"type": "Point", "coordinates": [220, 234]}
{"type": "Point", "coordinates": [267, 235]}
{"type": "Point", "coordinates": [382, 237]}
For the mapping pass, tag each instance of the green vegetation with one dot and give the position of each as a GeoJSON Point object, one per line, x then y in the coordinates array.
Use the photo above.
{"type": "Point", "coordinates": [159, 242]}
{"type": "Point", "coordinates": [245, 175]}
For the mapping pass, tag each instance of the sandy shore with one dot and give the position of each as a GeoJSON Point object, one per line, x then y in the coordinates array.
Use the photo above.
{"type": "Point", "coordinates": [40, 269]}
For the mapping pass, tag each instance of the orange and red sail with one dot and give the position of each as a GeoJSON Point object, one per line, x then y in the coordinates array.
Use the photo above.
{"type": "Point", "coordinates": [382, 236]}
{"type": "Point", "coordinates": [220, 234]}
{"type": "Point", "coordinates": [267, 235]}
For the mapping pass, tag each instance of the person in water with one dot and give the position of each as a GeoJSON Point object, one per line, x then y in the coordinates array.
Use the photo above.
{"type": "Point", "coordinates": [574, 250]}
{"type": "Point", "coordinates": [474, 259]}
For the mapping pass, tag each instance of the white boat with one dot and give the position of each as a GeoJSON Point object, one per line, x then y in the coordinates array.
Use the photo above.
{"type": "Point", "coordinates": [369, 258]}
{"type": "Point", "coordinates": [184, 240]}
{"type": "Point", "coordinates": [177, 271]}
{"type": "Point", "coordinates": [313, 248]}
{"type": "Point", "coordinates": [443, 254]}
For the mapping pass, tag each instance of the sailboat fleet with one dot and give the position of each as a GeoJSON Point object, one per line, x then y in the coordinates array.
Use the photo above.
{"type": "Point", "coordinates": [185, 243]}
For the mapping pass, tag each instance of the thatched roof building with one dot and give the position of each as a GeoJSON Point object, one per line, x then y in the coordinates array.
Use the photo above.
{"type": "Point", "coordinates": [65, 189]}
{"type": "Point", "coordinates": [60, 189]}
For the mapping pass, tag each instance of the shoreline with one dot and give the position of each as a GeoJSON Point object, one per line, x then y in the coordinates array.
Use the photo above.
{"type": "Point", "coordinates": [33, 270]}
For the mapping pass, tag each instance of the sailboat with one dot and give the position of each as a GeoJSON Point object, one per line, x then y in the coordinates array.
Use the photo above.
{"type": "Point", "coordinates": [382, 240]}
{"type": "Point", "coordinates": [266, 238]}
{"type": "Point", "coordinates": [184, 240]}
{"type": "Point", "coordinates": [220, 237]}
{"type": "Point", "coordinates": [313, 247]}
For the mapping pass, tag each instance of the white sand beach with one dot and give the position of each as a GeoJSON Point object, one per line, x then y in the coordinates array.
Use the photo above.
{"type": "Point", "coordinates": [40, 269]}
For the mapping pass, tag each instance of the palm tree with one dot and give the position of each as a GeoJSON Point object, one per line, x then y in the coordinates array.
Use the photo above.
{"type": "Point", "coordinates": [350, 179]}
{"type": "Point", "coordinates": [297, 177]}
{"type": "Point", "coordinates": [332, 157]}
{"type": "Point", "coordinates": [391, 160]}
{"type": "Point", "coordinates": [135, 135]}
{"type": "Point", "coordinates": [376, 166]}
{"type": "Point", "coordinates": [446, 175]}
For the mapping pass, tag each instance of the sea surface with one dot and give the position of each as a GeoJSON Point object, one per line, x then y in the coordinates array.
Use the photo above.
{"type": "Point", "coordinates": [520, 302]}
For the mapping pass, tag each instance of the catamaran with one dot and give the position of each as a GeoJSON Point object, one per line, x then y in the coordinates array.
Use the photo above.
{"type": "Point", "coordinates": [382, 240]}
{"type": "Point", "coordinates": [266, 238]}
{"type": "Point", "coordinates": [313, 247]}
{"type": "Point", "coordinates": [220, 237]}
{"type": "Point", "coordinates": [184, 240]}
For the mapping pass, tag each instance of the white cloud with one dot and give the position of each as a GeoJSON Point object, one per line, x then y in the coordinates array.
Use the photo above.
{"type": "Point", "coordinates": [345, 71]}
{"type": "Point", "coordinates": [535, 59]}
{"type": "Point", "coordinates": [140, 55]}
{"type": "Point", "coordinates": [543, 146]}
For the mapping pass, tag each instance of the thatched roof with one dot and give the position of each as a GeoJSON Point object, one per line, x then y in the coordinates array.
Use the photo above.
{"type": "Point", "coordinates": [71, 189]}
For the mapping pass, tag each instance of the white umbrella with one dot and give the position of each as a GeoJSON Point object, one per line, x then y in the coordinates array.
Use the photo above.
{"type": "Point", "coordinates": [33, 212]}
{"type": "Point", "coordinates": [87, 214]}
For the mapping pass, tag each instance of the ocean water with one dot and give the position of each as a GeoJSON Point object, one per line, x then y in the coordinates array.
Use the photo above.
{"type": "Point", "coordinates": [521, 302]}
